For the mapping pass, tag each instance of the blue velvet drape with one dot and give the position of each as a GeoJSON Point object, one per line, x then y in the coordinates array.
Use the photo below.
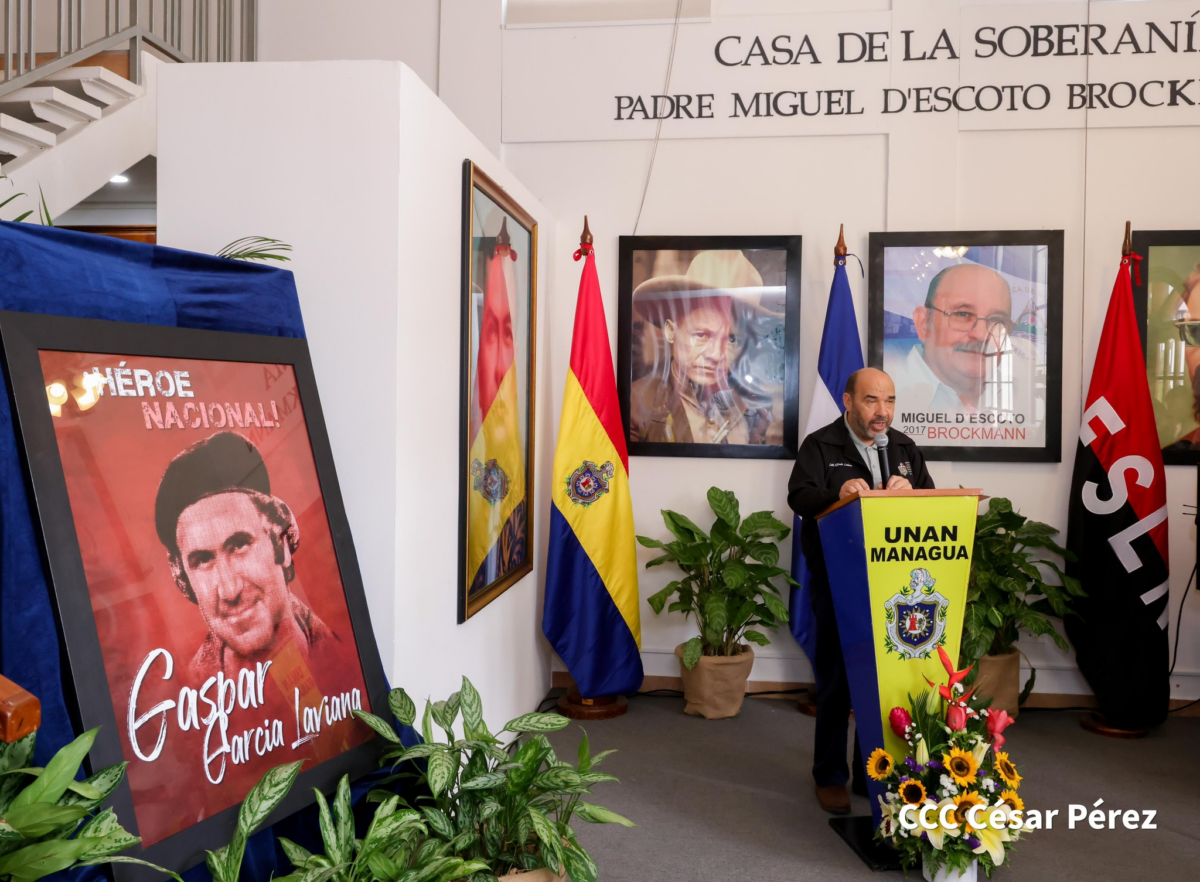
{"type": "Point", "coordinates": [59, 272]}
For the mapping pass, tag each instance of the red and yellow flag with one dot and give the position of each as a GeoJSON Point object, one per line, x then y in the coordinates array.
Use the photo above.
{"type": "Point", "coordinates": [591, 610]}
{"type": "Point", "coordinates": [496, 460]}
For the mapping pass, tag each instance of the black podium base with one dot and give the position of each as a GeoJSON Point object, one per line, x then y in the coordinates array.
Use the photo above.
{"type": "Point", "coordinates": [859, 833]}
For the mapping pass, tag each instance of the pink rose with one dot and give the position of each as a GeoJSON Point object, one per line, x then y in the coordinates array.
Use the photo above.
{"type": "Point", "coordinates": [956, 717]}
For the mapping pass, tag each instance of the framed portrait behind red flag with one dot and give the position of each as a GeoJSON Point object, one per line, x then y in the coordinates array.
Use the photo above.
{"type": "Point", "coordinates": [207, 592]}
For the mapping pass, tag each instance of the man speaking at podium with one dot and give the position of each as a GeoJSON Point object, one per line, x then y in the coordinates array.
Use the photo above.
{"type": "Point", "coordinates": [845, 457]}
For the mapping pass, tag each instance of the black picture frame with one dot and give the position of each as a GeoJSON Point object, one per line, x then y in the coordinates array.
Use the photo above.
{"type": "Point", "coordinates": [474, 178]}
{"type": "Point", "coordinates": [791, 245]}
{"type": "Point", "coordinates": [1051, 451]}
{"type": "Point", "coordinates": [1143, 241]}
{"type": "Point", "coordinates": [22, 335]}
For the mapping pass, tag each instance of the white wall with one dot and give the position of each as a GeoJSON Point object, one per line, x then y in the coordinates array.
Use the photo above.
{"type": "Point", "coordinates": [368, 192]}
{"type": "Point", "coordinates": [376, 30]}
{"type": "Point", "coordinates": [1085, 181]}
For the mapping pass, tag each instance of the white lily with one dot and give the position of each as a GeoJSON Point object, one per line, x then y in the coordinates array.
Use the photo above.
{"type": "Point", "coordinates": [937, 836]}
{"type": "Point", "coordinates": [990, 840]}
{"type": "Point", "coordinates": [980, 752]}
{"type": "Point", "coordinates": [922, 753]}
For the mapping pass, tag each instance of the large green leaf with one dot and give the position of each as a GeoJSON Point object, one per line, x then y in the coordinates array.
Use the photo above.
{"type": "Point", "coordinates": [650, 543]}
{"type": "Point", "coordinates": [38, 819]}
{"type": "Point", "coordinates": [557, 778]}
{"type": "Point", "coordinates": [380, 725]}
{"type": "Point", "coordinates": [59, 773]}
{"type": "Point", "coordinates": [764, 552]}
{"type": "Point", "coordinates": [266, 795]}
{"type": "Point", "coordinates": [756, 637]}
{"type": "Point", "coordinates": [552, 849]}
{"type": "Point", "coordinates": [776, 606]}
{"type": "Point", "coordinates": [692, 650]}
{"type": "Point", "coordinates": [715, 614]}
{"type": "Point", "coordinates": [297, 854]}
{"type": "Point", "coordinates": [441, 772]}
{"type": "Point", "coordinates": [42, 858]}
{"type": "Point", "coordinates": [485, 781]}
{"type": "Point", "coordinates": [659, 599]}
{"type": "Point", "coordinates": [580, 866]}
{"type": "Point", "coordinates": [725, 505]}
{"type": "Point", "coordinates": [472, 706]}
{"type": "Point", "coordinates": [762, 524]}
{"type": "Point", "coordinates": [537, 723]}
{"type": "Point", "coordinates": [595, 814]}
{"type": "Point", "coordinates": [438, 822]}
{"type": "Point", "coordinates": [735, 574]}
{"type": "Point", "coordinates": [682, 527]}
{"type": "Point", "coordinates": [104, 782]}
{"type": "Point", "coordinates": [343, 818]}
{"type": "Point", "coordinates": [402, 706]}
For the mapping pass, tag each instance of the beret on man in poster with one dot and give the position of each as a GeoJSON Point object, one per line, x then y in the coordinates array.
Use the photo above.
{"type": "Point", "coordinates": [221, 463]}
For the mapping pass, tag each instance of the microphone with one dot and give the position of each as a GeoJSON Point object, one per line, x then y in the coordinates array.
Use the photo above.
{"type": "Point", "coordinates": [881, 443]}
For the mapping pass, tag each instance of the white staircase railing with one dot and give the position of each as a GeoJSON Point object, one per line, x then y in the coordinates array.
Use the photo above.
{"type": "Point", "coordinates": [181, 30]}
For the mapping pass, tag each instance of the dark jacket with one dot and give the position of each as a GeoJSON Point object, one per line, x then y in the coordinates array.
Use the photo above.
{"type": "Point", "coordinates": [827, 460]}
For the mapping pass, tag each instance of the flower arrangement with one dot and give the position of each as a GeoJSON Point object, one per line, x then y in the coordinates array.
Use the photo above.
{"type": "Point", "coordinates": [953, 800]}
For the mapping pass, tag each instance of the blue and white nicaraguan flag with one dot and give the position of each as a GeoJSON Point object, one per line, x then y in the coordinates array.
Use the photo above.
{"type": "Point", "coordinates": [841, 355]}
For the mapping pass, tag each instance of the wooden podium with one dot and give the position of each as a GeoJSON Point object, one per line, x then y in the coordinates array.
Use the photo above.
{"type": "Point", "coordinates": [898, 563]}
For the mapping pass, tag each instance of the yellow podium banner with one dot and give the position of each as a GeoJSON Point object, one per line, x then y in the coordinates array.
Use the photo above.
{"type": "Point", "coordinates": [918, 552]}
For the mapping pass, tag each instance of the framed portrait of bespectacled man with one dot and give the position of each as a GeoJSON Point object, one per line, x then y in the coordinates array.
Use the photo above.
{"type": "Point", "coordinates": [708, 344]}
{"type": "Point", "coordinates": [969, 327]}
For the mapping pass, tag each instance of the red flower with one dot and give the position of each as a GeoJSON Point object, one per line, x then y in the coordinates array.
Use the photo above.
{"type": "Point", "coordinates": [900, 720]}
{"type": "Point", "coordinates": [955, 676]}
{"type": "Point", "coordinates": [956, 717]}
{"type": "Point", "coordinates": [997, 722]}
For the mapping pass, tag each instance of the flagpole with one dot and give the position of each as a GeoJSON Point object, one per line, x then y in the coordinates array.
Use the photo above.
{"type": "Point", "coordinates": [573, 704]}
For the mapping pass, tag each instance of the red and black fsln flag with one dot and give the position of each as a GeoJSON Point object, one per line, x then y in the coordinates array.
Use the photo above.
{"type": "Point", "coordinates": [1117, 527]}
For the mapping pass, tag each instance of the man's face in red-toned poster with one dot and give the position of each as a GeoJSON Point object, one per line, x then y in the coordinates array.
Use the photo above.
{"type": "Point", "coordinates": [231, 557]}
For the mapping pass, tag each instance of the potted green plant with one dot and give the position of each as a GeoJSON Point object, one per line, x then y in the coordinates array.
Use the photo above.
{"type": "Point", "coordinates": [397, 847]}
{"type": "Point", "coordinates": [48, 820]}
{"type": "Point", "coordinates": [727, 585]}
{"type": "Point", "coordinates": [506, 803]}
{"type": "Point", "coordinates": [1008, 593]}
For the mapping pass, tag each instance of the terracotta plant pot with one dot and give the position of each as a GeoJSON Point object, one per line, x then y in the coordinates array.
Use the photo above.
{"type": "Point", "coordinates": [1000, 677]}
{"type": "Point", "coordinates": [716, 687]}
{"type": "Point", "coordinates": [542, 875]}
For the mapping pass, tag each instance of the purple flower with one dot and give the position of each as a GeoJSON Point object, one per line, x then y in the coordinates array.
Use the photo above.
{"type": "Point", "coordinates": [933, 764]}
{"type": "Point", "coordinates": [972, 842]}
{"type": "Point", "coordinates": [925, 837]}
{"type": "Point", "coordinates": [911, 763]}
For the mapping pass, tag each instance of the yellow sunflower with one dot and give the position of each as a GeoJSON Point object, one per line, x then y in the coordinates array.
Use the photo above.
{"type": "Point", "coordinates": [1010, 799]}
{"type": "Point", "coordinates": [912, 792]}
{"type": "Point", "coordinates": [962, 805]}
{"type": "Point", "coordinates": [1006, 770]}
{"type": "Point", "coordinates": [879, 765]}
{"type": "Point", "coordinates": [961, 766]}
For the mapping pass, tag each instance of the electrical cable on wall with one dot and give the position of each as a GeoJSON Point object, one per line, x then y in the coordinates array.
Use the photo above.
{"type": "Point", "coordinates": [658, 127]}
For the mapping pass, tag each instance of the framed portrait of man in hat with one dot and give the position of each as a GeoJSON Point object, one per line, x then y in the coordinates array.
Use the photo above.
{"type": "Point", "coordinates": [1167, 300]}
{"type": "Point", "coordinates": [708, 345]}
{"type": "Point", "coordinates": [206, 585]}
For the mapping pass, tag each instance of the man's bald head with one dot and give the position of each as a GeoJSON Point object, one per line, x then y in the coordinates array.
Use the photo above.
{"type": "Point", "coordinates": [873, 373]}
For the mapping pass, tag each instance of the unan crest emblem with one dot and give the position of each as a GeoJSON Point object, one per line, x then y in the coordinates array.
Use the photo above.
{"type": "Point", "coordinates": [490, 480]}
{"type": "Point", "coordinates": [589, 482]}
{"type": "Point", "coordinates": [916, 617]}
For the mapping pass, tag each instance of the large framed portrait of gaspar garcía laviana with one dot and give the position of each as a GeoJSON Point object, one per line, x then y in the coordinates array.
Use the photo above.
{"type": "Point", "coordinates": [208, 595]}
{"type": "Point", "coordinates": [499, 333]}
